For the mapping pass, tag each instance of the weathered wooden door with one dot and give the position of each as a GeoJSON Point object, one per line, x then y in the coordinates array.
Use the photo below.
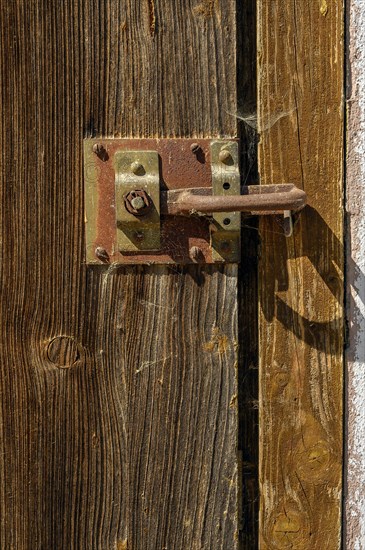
{"type": "Point", "coordinates": [119, 417]}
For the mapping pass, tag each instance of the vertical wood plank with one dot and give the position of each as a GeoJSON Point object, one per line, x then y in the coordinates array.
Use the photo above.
{"type": "Point", "coordinates": [118, 415]}
{"type": "Point", "coordinates": [183, 408]}
{"type": "Point", "coordinates": [182, 366]}
{"type": "Point", "coordinates": [300, 86]}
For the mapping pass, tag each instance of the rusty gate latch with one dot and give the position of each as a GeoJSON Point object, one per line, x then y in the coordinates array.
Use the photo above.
{"type": "Point", "coordinates": [172, 201]}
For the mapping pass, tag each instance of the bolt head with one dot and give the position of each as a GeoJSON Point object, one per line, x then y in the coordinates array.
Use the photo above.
{"type": "Point", "coordinates": [195, 148]}
{"type": "Point", "coordinates": [225, 156]}
{"type": "Point", "coordinates": [138, 203]}
{"type": "Point", "coordinates": [100, 151]}
{"type": "Point", "coordinates": [137, 168]}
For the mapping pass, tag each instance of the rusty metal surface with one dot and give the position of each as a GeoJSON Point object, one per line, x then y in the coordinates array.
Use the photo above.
{"type": "Point", "coordinates": [184, 163]}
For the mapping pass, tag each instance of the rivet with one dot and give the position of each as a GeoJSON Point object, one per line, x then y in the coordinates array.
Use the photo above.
{"type": "Point", "coordinates": [137, 168]}
{"type": "Point", "coordinates": [225, 156]}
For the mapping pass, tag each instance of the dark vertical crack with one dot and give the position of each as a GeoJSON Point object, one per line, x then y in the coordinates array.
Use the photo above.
{"type": "Point", "coordinates": [248, 380]}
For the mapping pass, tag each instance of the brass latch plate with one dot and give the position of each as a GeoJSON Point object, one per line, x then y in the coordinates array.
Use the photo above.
{"type": "Point", "coordinates": [137, 181]}
{"type": "Point", "coordinates": [114, 235]}
{"type": "Point", "coordinates": [225, 236]}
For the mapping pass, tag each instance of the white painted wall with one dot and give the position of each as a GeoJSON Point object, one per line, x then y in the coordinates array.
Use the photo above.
{"type": "Point", "coordinates": [355, 206]}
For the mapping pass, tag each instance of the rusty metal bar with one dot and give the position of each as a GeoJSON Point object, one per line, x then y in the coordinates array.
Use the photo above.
{"type": "Point", "coordinates": [255, 199]}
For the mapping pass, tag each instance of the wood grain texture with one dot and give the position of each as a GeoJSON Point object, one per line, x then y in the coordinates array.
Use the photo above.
{"type": "Point", "coordinates": [183, 409]}
{"type": "Point", "coordinates": [300, 52]}
{"type": "Point", "coordinates": [118, 417]}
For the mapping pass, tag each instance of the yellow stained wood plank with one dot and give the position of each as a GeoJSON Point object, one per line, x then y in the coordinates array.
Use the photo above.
{"type": "Point", "coordinates": [300, 93]}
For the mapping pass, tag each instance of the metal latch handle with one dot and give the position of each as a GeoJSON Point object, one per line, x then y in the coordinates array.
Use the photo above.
{"type": "Point", "coordinates": [255, 199]}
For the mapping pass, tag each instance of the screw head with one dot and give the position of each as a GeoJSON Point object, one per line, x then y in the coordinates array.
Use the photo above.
{"type": "Point", "coordinates": [225, 156]}
{"type": "Point", "coordinates": [137, 168]}
{"type": "Point", "coordinates": [102, 254]}
{"type": "Point", "coordinates": [100, 151]}
{"type": "Point", "coordinates": [195, 148]}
